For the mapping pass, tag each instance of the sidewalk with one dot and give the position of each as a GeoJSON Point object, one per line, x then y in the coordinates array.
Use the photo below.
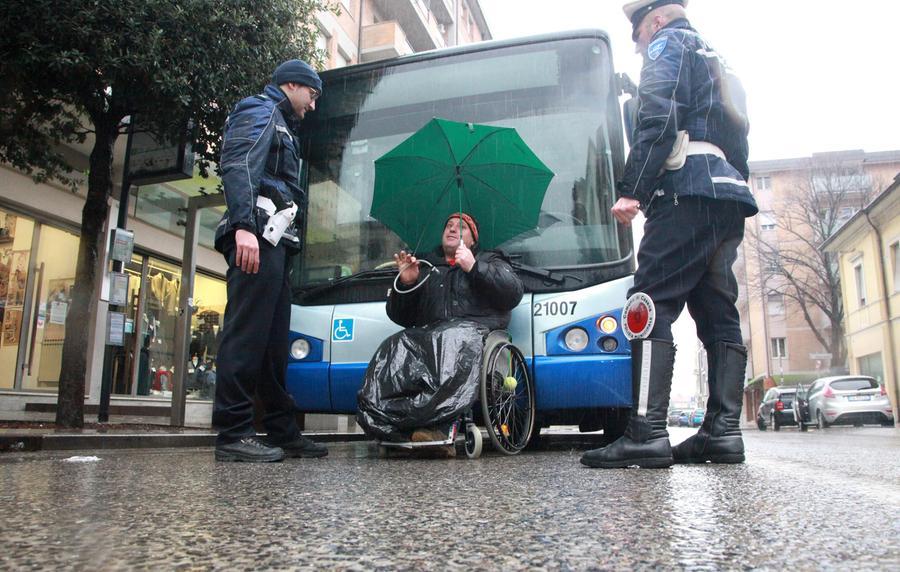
{"type": "Point", "coordinates": [36, 432]}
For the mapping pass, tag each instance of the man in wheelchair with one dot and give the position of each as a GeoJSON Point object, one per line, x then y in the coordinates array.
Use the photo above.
{"type": "Point", "coordinates": [422, 379]}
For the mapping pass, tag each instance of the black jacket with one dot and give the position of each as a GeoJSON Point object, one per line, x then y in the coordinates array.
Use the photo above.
{"type": "Point", "coordinates": [686, 86]}
{"type": "Point", "coordinates": [485, 295]}
{"type": "Point", "coordinates": [260, 157]}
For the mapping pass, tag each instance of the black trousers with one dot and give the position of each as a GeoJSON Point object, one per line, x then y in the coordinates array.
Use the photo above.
{"type": "Point", "coordinates": [253, 354]}
{"type": "Point", "coordinates": [686, 257]}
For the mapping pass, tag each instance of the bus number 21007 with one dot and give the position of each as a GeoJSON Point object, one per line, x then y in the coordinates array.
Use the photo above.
{"type": "Point", "coordinates": [554, 308]}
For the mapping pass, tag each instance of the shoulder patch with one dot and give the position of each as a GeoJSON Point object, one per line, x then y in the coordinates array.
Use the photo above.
{"type": "Point", "coordinates": [656, 47]}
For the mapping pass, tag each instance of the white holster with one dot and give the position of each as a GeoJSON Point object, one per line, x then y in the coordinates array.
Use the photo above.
{"type": "Point", "coordinates": [278, 221]}
{"type": "Point", "coordinates": [683, 147]}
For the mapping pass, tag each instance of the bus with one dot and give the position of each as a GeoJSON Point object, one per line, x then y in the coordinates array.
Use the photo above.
{"type": "Point", "coordinates": [561, 94]}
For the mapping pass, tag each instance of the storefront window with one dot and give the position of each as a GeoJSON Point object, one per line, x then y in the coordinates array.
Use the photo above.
{"type": "Point", "coordinates": [146, 364]}
{"type": "Point", "coordinates": [15, 257]}
{"type": "Point", "coordinates": [206, 332]}
{"type": "Point", "coordinates": [55, 261]}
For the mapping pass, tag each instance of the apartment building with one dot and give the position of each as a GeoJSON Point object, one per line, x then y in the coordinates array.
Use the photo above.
{"type": "Point", "coordinates": [868, 251]}
{"type": "Point", "coordinates": [369, 30]}
{"type": "Point", "coordinates": [802, 202]}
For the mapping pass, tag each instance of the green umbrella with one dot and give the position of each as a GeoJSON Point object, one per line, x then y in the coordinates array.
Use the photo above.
{"type": "Point", "coordinates": [447, 167]}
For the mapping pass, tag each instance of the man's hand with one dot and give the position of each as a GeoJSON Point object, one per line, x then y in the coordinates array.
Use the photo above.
{"type": "Point", "coordinates": [625, 210]}
{"type": "Point", "coordinates": [409, 268]}
{"type": "Point", "coordinates": [464, 257]}
{"type": "Point", "coordinates": [246, 256]}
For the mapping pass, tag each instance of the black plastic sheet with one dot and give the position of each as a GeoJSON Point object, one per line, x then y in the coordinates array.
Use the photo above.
{"type": "Point", "coordinates": [421, 377]}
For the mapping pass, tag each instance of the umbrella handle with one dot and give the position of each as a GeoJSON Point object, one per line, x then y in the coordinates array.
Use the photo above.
{"type": "Point", "coordinates": [397, 278]}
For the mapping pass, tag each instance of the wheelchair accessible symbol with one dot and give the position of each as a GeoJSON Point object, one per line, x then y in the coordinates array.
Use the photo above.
{"type": "Point", "coordinates": [342, 330]}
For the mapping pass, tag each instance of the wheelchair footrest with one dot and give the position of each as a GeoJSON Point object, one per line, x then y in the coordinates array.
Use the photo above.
{"type": "Point", "coordinates": [451, 439]}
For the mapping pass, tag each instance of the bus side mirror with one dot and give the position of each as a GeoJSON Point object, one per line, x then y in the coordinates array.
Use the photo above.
{"type": "Point", "coordinates": [630, 107]}
{"type": "Point", "coordinates": [629, 116]}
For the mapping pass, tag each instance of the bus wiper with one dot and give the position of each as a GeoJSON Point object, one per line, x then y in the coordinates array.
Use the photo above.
{"type": "Point", "coordinates": [543, 273]}
{"type": "Point", "coordinates": [361, 275]}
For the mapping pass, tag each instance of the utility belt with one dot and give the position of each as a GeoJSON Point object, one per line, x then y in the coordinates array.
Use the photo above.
{"type": "Point", "coordinates": [684, 146]}
{"type": "Point", "coordinates": [278, 221]}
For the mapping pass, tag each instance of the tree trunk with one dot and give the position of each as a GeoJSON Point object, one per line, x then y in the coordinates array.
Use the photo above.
{"type": "Point", "coordinates": [838, 347]}
{"type": "Point", "coordinates": [70, 403]}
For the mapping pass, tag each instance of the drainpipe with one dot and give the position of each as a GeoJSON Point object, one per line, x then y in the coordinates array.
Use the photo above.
{"type": "Point", "coordinates": [456, 22]}
{"type": "Point", "coordinates": [362, 3]}
{"type": "Point", "coordinates": [887, 315]}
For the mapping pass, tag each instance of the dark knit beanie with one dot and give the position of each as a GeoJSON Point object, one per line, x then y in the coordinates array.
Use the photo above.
{"type": "Point", "coordinates": [297, 71]}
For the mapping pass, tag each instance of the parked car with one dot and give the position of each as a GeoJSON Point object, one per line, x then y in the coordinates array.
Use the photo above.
{"type": "Point", "coordinates": [696, 418]}
{"type": "Point", "coordinates": [683, 418]}
{"type": "Point", "coordinates": [849, 400]}
{"type": "Point", "coordinates": [674, 416]}
{"type": "Point", "coordinates": [776, 409]}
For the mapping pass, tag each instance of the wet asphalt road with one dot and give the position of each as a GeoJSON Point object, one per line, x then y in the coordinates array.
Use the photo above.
{"type": "Point", "coordinates": [803, 501]}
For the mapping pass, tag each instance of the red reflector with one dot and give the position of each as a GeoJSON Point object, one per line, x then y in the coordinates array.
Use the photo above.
{"type": "Point", "coordinates": [637, 318]}
{"type": "Point", "coordinates": [779, 406]}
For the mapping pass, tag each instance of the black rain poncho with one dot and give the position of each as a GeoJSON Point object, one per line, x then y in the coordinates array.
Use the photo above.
{"type": "Point", "coordinates": [427, 374]}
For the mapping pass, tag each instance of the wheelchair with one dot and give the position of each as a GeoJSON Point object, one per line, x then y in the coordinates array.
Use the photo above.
{"type": "Point", "coordinates": [505, 406]}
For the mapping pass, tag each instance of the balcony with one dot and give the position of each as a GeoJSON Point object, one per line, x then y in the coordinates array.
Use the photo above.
{"type": "Point", "coordinates": [443, 11]}
{"type": "Point", "coordinates": [383, 40]}
{"type": "Point", "coordinates": [419, 24]}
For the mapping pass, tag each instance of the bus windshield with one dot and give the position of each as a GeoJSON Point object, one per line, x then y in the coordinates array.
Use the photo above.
{"type": "Point", "coordinates": [561, 97]}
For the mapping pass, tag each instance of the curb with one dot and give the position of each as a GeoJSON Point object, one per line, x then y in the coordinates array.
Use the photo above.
{"type": "Point", "coordinates": [69, 442]}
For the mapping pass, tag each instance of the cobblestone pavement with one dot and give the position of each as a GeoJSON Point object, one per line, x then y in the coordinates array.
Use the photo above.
{"type": "Point", "coordinates": [803, 501]}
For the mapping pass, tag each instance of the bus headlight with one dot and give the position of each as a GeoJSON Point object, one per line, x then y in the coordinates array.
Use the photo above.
{"type": "Point", "coordinates": [576, 339]}
{"type": "Point", "coordinates": [299, 349]}
{"type": "Point", "coordinates": [607, 324]}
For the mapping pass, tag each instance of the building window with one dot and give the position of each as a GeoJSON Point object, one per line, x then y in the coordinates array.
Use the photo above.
{"type": "Point", "coordinates": [775, 303]}
{"type": "Point", "coordinates": [763, 183]}
{"type": "Point", "coordinates": [340, 59]}
{"type": "Point", "coordinates": [895, 260]}
{"type": "Point", "coordinates": [860, 280]}
{"type": "Point", "coordinates": [845, 214]}
{"type": "Point", "coordinates": [779, 347]}
{"type": "Point", "coordinates": [871, 365]}
{"type": "Point", "coordinates": [772, 262]}
{"type": "Point", "coordinates": [322, 42]}
{"type": "Point", "coordinates": [767, 220]}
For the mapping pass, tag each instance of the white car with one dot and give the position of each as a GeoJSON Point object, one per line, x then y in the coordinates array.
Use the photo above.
{"type": "Point", "coordinates": [850, 400]}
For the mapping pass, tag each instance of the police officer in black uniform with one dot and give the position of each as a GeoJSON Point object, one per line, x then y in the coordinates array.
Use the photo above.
{"type": "Point", "coordinates": [687, 170]}
{"type": "Point", "coordinates": [260, 169]}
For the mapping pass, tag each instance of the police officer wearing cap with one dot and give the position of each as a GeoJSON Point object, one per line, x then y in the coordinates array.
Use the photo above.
{"type": "Point", "coordinates": [260, 168]}
{"type": "Point", "coordinates": [687, 171]}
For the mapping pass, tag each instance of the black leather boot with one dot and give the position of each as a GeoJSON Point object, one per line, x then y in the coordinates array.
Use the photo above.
{"type": "Point", "coordinates": [719, 438]}
{"type": "Point", "coordinates": [646, 441]}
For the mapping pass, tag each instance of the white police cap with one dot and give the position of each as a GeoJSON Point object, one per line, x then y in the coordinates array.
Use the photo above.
{"type": "Point", "coordinates": [636, 10]}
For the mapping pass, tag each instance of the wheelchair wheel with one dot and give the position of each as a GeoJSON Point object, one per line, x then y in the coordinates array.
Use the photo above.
{"type": "Point", "coordinates": [473, 441]}
{"type": "Point", "coordinates": [507, 396]}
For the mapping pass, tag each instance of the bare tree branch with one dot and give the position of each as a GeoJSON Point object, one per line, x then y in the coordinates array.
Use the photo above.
{"type": "Point", "coordinates": [791, 262]}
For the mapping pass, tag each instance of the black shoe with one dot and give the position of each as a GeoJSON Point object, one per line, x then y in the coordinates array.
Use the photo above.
{"type": "Point", "coordinates": [705, 448]}
{"type": "Point", "coordinates": [304, 448]}
{"type": "Point", "coordinates": [249, 450]}
{"type": "Point", "coordinates": [623, 453]}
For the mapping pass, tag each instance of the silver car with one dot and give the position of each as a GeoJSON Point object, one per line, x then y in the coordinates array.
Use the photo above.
{"type": "Point", "coordinates": [850, 400]}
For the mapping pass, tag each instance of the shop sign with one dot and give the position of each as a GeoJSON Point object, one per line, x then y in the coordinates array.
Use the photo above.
{"type": "Point", "coordinates": [115, 330]}
{"type": "Point", "coordinates": [122, 245]}
{"type": "Point", "coordinates": [152, 159]}
{"type": "Point", "coordinates": [118, 288]}
{"type": "Point", "coordinates": [58, 311]}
